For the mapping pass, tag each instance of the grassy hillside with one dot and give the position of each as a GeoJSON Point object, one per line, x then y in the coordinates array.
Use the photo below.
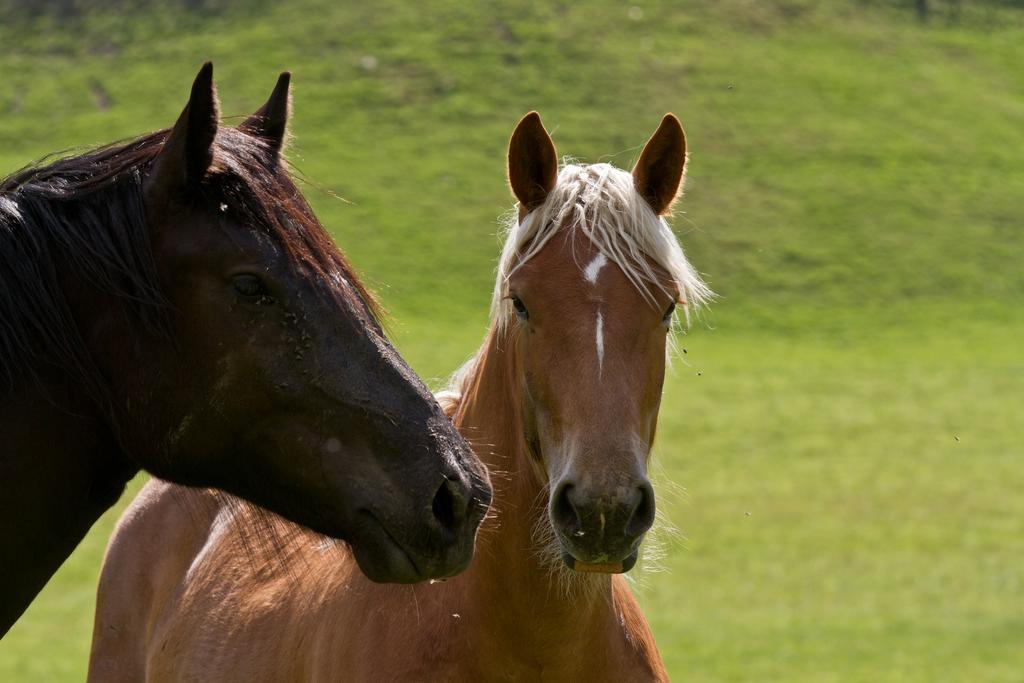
{"type": "Point", "coordinates": [847, 465]}
{"type": "Point", "coordinates": [841, 155]}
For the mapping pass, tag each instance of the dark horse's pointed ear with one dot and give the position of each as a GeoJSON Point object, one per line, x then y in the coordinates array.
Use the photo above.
{"type": "Point", "coordinates": [188, 150]}
{"type": "Point", "coordinates": [532, 162]}
{"type": "Point", "coordinates": [270, 122]}
{"type": "Point", "coordinates": [658, 174]}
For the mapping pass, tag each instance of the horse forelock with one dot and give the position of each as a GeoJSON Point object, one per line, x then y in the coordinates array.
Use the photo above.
{"type": "Point", "coordinates": [601, 203]}
{"type": "Point", "coordinates": [269, 197]}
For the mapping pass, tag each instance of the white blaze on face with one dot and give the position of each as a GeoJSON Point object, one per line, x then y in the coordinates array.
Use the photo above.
{"type": "Point", "coordinates": [590, 273]}
{"type": "Point", "coordinates": [594, 268]}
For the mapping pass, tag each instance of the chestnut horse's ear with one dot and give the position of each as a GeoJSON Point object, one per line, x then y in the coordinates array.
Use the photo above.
{"type": "Point", "coordinates": [532, 162]}
{"type": "Point", "coordinates": [659, 172]}
{"type": "Point", "coordinates": [270, 122]}
{"type": "Point", "coordinates": [188, 150]}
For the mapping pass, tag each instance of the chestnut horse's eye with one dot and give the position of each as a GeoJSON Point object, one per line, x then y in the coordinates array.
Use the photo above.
{"type": "Point", "coordinates": [248, 285]}
{"type": "Point", "coordinates": [667, 318]}
{"type": "Point", "coordinates": [521, 311]}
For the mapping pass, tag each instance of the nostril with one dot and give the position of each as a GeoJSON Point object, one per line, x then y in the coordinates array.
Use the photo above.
{"type": "Point", "coordinates": [563, 512]}
{"type": "Point", "coordinates": [643, 513]}
{"type": "Point", "coordinates": [449, 506]}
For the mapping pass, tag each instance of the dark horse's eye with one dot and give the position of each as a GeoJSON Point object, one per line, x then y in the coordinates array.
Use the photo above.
{"type": "Point", "coordinates": [248, 285]}
{"type": "Point", "coordinates": [667, 318]}
{"type": "Point", "coordinates": [521, 311]}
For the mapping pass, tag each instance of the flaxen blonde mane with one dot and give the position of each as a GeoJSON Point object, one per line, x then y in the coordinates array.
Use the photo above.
{"type": "Point", "coordinates": [601, 202]}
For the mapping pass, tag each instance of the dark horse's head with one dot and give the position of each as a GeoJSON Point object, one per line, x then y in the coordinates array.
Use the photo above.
{"type": "Point", "coordinates": [235, 348]}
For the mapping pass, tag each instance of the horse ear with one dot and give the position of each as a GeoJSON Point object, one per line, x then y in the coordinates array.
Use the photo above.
{"type": "Point", "coordinates": [659, 173]}
{"type": "Point", "coordinates": [270, 122]}
{"type": "Point", "coordinates": [188, 150]}
{"type": "Point", "coordinates": [532, 162]}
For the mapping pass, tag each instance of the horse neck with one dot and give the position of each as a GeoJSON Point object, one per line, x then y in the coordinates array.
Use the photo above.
{"type": "Point", "coordinates": [60, 472]}
{"type": "Point", "coordinates": [509, 575]}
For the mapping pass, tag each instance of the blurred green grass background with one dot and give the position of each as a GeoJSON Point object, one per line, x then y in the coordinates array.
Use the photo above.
{"type": "Point", "coordinates": [846, 469]}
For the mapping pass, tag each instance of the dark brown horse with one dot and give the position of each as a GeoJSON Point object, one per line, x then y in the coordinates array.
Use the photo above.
{"type": "Point", "coordinates": [172, 304]}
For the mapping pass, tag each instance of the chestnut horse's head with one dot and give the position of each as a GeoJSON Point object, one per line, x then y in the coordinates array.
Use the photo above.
{"type": "Point", "coordinates": [277, 383]}
{"type": "Point", "coordinates": [591, 275]}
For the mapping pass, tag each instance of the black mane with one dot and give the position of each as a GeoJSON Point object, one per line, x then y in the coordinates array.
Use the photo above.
{"type": "Point", "coordinates": [82, 219]}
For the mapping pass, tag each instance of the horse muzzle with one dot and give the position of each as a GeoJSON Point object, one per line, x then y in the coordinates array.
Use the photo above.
{"type": "Point", "coordinates": [601, 530]}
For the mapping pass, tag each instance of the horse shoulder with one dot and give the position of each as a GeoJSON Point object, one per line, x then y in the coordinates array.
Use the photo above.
{"type": "Point", "coordinates": [153, 545]}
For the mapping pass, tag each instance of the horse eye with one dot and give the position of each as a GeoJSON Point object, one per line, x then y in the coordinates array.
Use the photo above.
{"type": "Point", "coordinates": [521, 311]}
{"type": "Point", "coordinates": [248, 285]}
{"type": "Point", "coordinates": [667, 318]}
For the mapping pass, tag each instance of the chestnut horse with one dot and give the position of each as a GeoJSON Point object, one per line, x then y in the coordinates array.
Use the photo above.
{"type": "Point", "coordinates": [561, 403]}
{"type": "Point", "coordinates": [172, 303]}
